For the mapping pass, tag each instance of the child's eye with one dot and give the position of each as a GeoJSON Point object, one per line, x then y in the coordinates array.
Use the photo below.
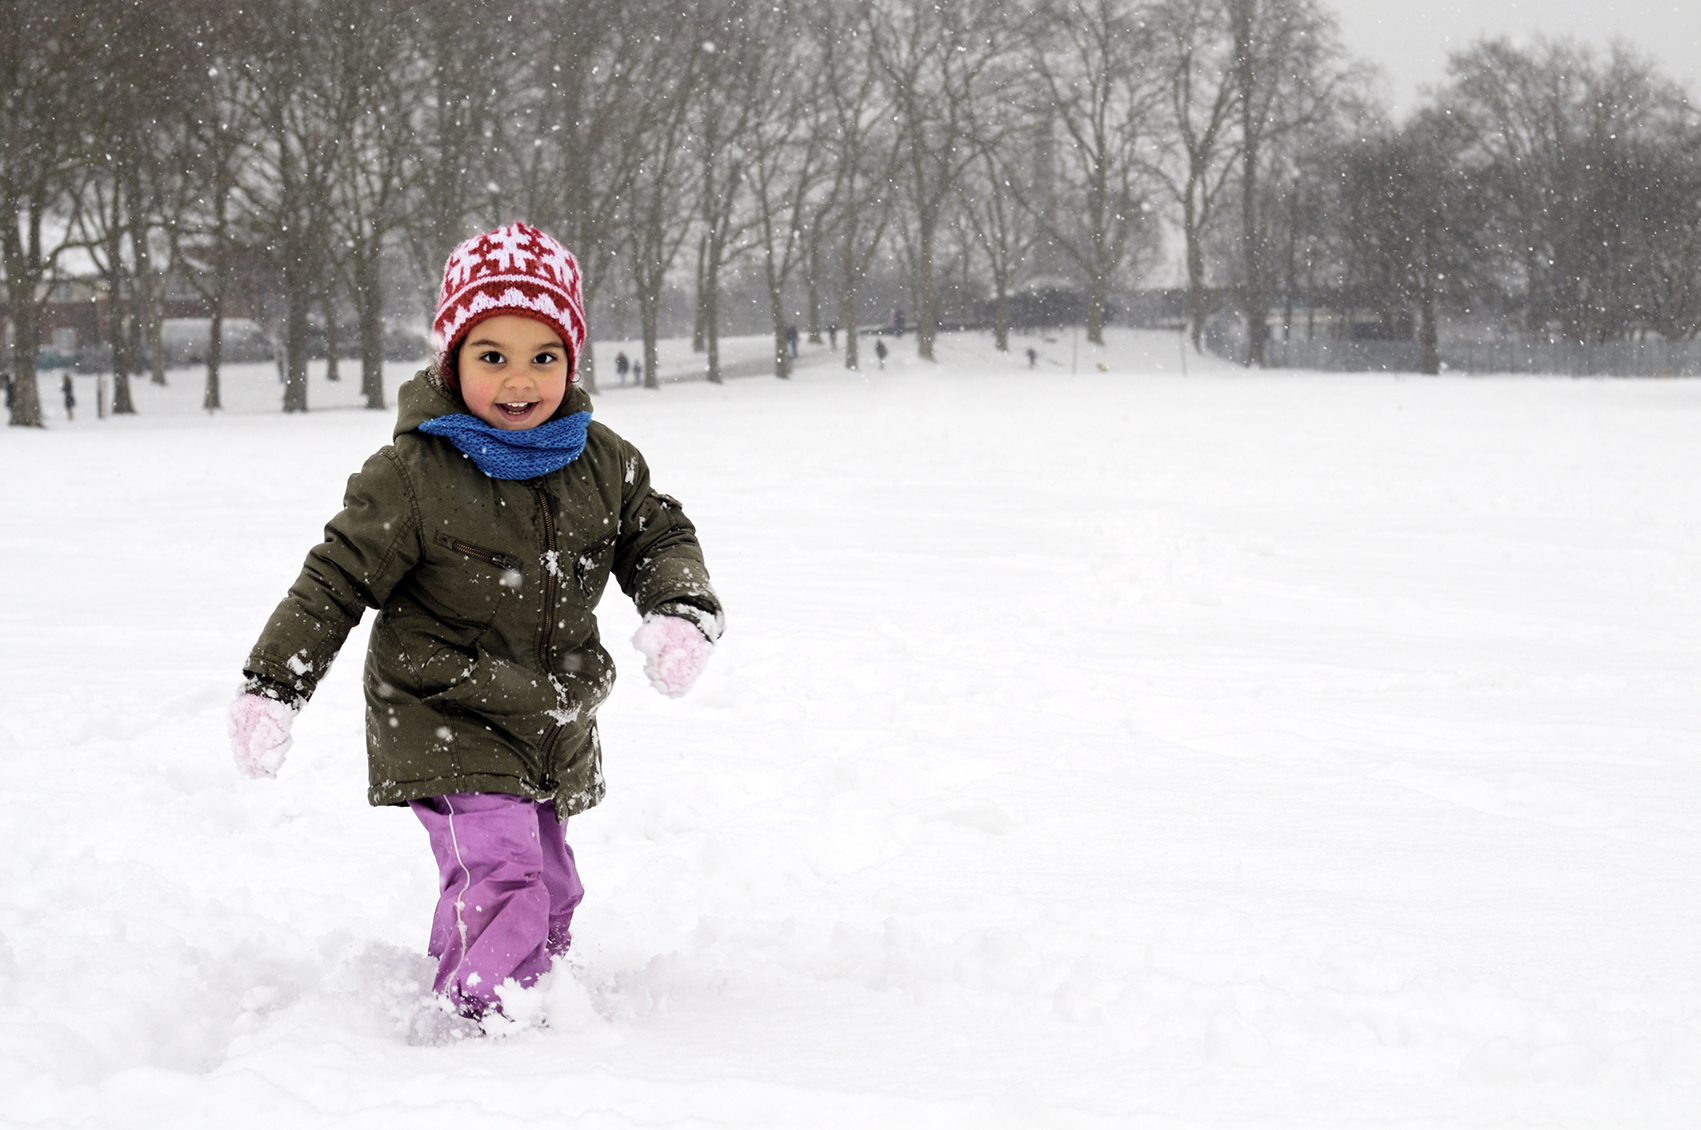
{"type": "Point", "coordinates": [547, 357]}
{"type": "Point", "coordinates": [490, 357]}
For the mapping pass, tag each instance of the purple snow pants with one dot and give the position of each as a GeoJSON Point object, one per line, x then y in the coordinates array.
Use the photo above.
{"type": "Point", "coordinates": [508, 890]}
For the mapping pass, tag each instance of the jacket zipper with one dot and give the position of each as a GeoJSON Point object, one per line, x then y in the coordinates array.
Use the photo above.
{"type": "Point", "coordinates": [551, 574]}
{"type": "Point", "coordinates": [500, 560]}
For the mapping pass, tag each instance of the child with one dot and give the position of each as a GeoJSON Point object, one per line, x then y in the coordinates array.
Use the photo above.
{"type": "Point", "coordinates": [484, 535]}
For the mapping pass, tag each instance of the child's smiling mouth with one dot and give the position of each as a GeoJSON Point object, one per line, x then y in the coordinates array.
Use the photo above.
{"type": "Point", "coordinates": [517, 411]}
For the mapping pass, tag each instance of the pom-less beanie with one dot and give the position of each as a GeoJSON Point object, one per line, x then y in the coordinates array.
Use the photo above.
{"type": "Point", "coordinates": [515, 269]}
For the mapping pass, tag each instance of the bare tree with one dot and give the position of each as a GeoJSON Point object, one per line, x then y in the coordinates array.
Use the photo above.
{"type": "Point", "coordinates": [1096, 69]}
{"type": "Point", "coordinates": [1302, 202]}
{"type": "Point", "coordinates": [172, 81]}
{"type": "Point", "coordinates": [862, 152]}
{"type": "Point", "coordinates": [727, 100]}
{"type": "Point", "coordinates": [937, 57]}
{"type": "Point", "coordinates": [370, 83]}
{"type": "Point", "coordinates": [991, 205]}
{"type": "Point", "coordinates": [127, 203]}
{"type": "Point", "coordinates": [817, 239]}
{"type": "Point", "coordinates": [600, 77]}
{"type": "Point", "coordinates": [43, 96]}
{"type": "Point", "coordinates": [1410, 223]}
{"type": "Point", "coordinates": [290, 183]}
{"type": "Point", "coordinates": [1554, 131]}
{"type": "Point", "coordinates": [1194, 51]}
{"type": "Point", "coordinates": [1666, 242]}
{"type": "Point", "coordinates": [1285, 56]}
{"type": "Point", "coordinates": [785, 147]}
{"type": "Point", "coordinates": [467, 73]}
{"type": "Point", "coordinates": [102, 218]}
{"type": "Point", "coordinates": [215, 135]}
{"type": "Point", "coordinates": [119, 201]}
{"type": "Point", "coordinates": [658, 222]}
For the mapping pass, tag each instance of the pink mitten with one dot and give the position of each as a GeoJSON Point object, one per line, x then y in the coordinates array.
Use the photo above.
{"type": "Point", "coordinates": [675, 652]}
{"type": "Point", "coordinates": [259, 734]}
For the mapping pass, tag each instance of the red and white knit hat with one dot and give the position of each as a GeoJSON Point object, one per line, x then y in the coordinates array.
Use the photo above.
{"type": "Point", "coordinates": [513, 270]}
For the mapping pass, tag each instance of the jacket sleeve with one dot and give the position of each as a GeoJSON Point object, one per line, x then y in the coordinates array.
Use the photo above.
{"type": "Point", "coordinates": [368, 548]}
{"type": "Point", "coordinates": [658, 561]}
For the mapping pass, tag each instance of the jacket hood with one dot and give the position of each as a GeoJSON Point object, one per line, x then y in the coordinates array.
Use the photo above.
{"type": "Point", "coordinates": [425, 397]}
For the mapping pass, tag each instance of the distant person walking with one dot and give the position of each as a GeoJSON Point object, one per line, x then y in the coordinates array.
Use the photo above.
{"type": "Point", "coordinates": [791, 339]}
{"type": "Point", "coordinates": [833, 337]}
{"type": "Point", "coordinates": [880, 352]}
{"type": "Point", "coordinates": [1033, 357]}
{"type": "Point", "coordinates": [637, 372]}
{"type": "Point", "coordinates": [622, 365]}
{"type": "Point", "coordinates": [70, 391]}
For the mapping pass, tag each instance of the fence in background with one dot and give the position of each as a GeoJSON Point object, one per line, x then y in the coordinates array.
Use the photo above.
{"type": "Point", "coordinates": [1655, 358]}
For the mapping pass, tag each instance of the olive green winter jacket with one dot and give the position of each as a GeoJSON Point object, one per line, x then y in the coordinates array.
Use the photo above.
{"type": "Point", "coordinates": [484, 670]}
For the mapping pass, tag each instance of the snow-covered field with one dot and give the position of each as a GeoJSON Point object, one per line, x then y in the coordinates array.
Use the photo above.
{"type": "Point", "coordinates": [1094, 749]}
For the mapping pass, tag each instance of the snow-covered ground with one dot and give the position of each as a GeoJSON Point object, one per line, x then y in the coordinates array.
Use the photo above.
{"type": "Point", "coordinates": [1087, 749]}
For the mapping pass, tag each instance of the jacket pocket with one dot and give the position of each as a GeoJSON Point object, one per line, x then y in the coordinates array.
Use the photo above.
{"type": "Point", "coordinates": [590, 567]}
{"type": "Point", "coordinates": [503, 561]}
{"type": "Point", "coordinates": [505, 695]}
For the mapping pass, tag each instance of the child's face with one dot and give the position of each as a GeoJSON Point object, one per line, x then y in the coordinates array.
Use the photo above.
{"type": "Point", "coordinates": [513, 372]}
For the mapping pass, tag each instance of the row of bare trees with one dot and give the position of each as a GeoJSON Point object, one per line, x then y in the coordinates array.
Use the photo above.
{"type": "Point", "coordinates": [284, 151]}
{"type": "Point", "coordinates": [286, 154]}
{"type": "Point", "coordinates": [1546, 190]}
{"type": "Point", "coordinates": [1545, 183]}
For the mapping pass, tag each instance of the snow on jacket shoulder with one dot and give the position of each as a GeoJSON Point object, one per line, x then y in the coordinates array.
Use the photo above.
{"type": "Point", "coordinates": [484, 670]}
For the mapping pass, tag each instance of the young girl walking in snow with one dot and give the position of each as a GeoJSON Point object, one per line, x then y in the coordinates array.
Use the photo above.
{"type": "Point", "coordinates": [484, 535]}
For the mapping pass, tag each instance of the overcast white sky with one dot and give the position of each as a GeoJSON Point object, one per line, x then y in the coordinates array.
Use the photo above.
{"type": "Point", "coordinates": [1410, 39]}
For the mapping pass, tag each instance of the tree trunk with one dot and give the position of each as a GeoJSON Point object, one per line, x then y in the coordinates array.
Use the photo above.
{"type": "Point", "coordinates": [649, 318]}
{"type": "Point", "coordinates": [925, 314]}
{"type": "Point", "coordinates": [26, 338]}
{"type": "Point", "coordinates": [1535, 317]}
{"type": "Point", "coordinates": [333, 338]}
{"type": "Point", "coordinates": [1197, 304]}
{"type": "Point", "coordinates": [296, 331]}
{"type": "Point", "coordinates": [211, 400]}
{"type": "Point", "coordinates": [813, 277]}
{"type": "Point", "coordinates": [699, 335]}
{"type": "Point", "coordinates": [1098, 298]}
{"type": "Point", "coordinates": [23, 270]}
{"type": "Point", "coordinates": [147, 300]}
{"type": "Point", "coordinates": [122, 404]}
{"type": "Point", "coordinates": [782, 355]}
{"type": "Point", "coordinates": [1257, 305]}
{"type": "Point", "coordinates": [709, 301]}
{"type": "Point", "coordinates": [852, 271]}
{"type": "Point", "coordinates": [133, 329]}
{"type": "Point", "coordinates": [118, 318]}
{"type": "Point", "coordinates": [371, 327]}
{"type": "Point", "coordinates": [777, 309]}
{"type": "Point", "coordinates": [1291, 282]}
{"type": "Point", "coordinates": [1001, 317]}
{"type": "Point", "coordinates": [712, 328]}
{"type": "Point", "coordinates": [847, 317]}
{"type": "Point", "coordinates": [1431, 360]}
{"type": "Point", "coordinates": [156, 329]}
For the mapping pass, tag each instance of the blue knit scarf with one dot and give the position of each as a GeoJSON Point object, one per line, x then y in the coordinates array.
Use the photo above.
{"type": "Point", "coordinates": [522, 454]}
